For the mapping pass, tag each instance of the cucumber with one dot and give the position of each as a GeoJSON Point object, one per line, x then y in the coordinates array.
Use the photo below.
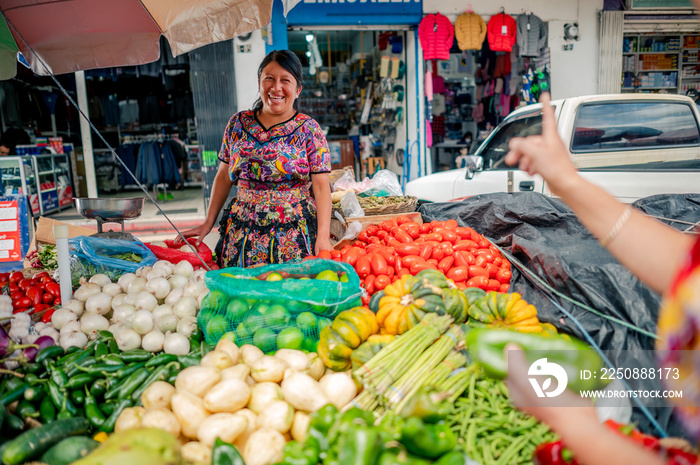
{"type": "Point", "coordinates": [33, 443]}
{"type": "Point", "coordinates": [69, 450]}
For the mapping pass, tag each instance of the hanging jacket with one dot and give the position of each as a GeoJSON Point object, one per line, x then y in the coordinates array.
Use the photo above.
{"type": "Point", "coordinates": [470, 30]}
{"type": "Point", "coordinates": [501, 32]}
{"type": "Point", "coordinates": [532, 35]}
{"type": "Point", "coordinates": [436, 34]}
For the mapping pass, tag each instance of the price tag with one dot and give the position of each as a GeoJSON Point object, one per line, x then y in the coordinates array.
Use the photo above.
{"type": "Point", "coordinates": [10, 247]}
{"type": "Point", "coordinates": [504, 30]}
{"type": "Point", "coordinates": [528, 26]}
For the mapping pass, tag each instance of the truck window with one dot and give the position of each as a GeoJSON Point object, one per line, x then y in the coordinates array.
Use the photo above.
{"type": "Point", "coordinates": [497, 147]}
{"type": "Point", "coordinates": [604, 127]}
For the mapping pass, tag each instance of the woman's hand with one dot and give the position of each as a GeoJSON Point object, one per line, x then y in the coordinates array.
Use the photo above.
{"type": "Point", "coordinates": [322, 243]}
{"type": "Point", "coordinates": [200, 232]}
{"type": "Point", "coordinates": [544, 154]}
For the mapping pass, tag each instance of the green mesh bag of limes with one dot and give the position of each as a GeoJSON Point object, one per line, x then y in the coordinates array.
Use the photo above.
{"type": "Point", "coordinates": [281, 306]}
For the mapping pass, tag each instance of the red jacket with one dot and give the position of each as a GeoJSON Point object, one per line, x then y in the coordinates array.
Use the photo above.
{"type": "Point", "coordinates": [501, 32]}
{"type": "Point", "coordinates": [436, 34]}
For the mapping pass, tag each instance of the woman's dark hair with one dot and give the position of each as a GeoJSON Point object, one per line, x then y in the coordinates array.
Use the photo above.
{"type": "Point", "coordinates": [287, 60]}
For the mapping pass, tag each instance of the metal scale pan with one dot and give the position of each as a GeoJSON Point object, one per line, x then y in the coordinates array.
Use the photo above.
{"type": "Point", "coordinates": [110, 210]}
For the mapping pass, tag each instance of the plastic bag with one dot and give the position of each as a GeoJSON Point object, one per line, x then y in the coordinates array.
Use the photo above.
{"type": "Point", "coordinates": [277, 306]}
{"type": "Point", "coordinates": [173, 254]}
{"type": "Point", "coordinates": [618, 409]}
{"type": "Point", "coordinates": [351, 206]}
{"type": "Point", "coordinates": [95, 255]}
{"type": "Point", "coordinates": [384, 183]}
{"type": "Point", "coordinates": [354, 229]}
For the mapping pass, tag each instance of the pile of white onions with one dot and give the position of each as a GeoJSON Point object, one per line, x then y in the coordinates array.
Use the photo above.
{"type": "Point", "coordinates": [154, 308]}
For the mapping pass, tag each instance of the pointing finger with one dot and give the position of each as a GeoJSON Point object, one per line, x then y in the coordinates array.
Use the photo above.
{"type": "Point", "coordinates": [549, 122]}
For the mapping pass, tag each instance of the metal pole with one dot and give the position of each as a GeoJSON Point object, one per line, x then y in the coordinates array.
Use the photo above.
{"type": "Point", "coordinates": [86, 135]}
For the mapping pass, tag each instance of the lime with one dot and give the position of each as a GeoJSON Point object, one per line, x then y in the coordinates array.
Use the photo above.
{"type": "Point", "coordinates": [242, 332]}
{"type": "Point", "coordinates": [327, 275]}
{"type": "Point", "coordinates": [319, 309]}
{"type": "Point", "coordinates": [215, 300]}
{"type": "Point", "coordinates": [290, 338]}
{"type": "Point", "coordinates": [344, 278]}
{"type": "Point", "coordinates": [310, 345]}
{"type": "Point", "coordinates": [263, 307]}
{"type": "Point", "coordinates": [277, 316]}
{"type": "Point", "coordinates": [322, 323]}
{"type": "Point", "coordinates": [307, 323]}
{"type": "Point", "coordinates": [296, 306]}
{"type": "Point", "coordinates": [274, 276]}
{"type": "Point", "coordinates": [304, 277]}
{"type": "Point", "coordinates": [216, 327]}
{"type": "Point", "coordinates": [254, 321]}
{"type": "Point", "coordinates": [264, 338]}
{"type": "Point", "coordinates": [236, 309]}
{"type": "Point", "coordinates": [230, 335]}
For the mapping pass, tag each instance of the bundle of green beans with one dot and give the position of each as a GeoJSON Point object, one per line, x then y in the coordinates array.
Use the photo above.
{"type": "Point", "coordinates": [96, 382]}
{"type": "Point", "coordinates": [490, 430]}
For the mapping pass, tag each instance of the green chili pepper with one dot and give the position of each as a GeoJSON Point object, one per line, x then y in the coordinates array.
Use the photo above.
{"type": "Point", "coordinates": [159, 374]}
{"type": "Point", "coordinates": [108, 425]}
{"type": "Point", "coordinates": [32, 367]}
{"type": "Point", "coordinates": [25, 409]}
{"type": "Point", "coordinates": [80, 380]}
{"type": "Point", "coordinates": [49, 353]}
{"type": "Point", "coordinates": [487, 345]}
{"type": "Point", "coordinates": [14, 394]}
{"type": "Point", "coordinates": [427, 440]}
{"type": "Point", "coordinates": [429, 404]}
{"type": "Point", "coordinates": [161, 359]}
{"type": "Point", "coordinates": [47, 411]}
{"type": "Point", "coordinates": [108, 407]}
{"type": "Point", "coordinates": [72, 354]}
{"type": "Point", "coordinates": [359, 445]}
{"type": "Point", "coordinates": [75, 368]}
{"type": "Point", "coordinates": [55, 394]}
{"type": "Point", "coordinates": [92, 411]}
{"type": "Point", "coordinates": [99, 387]}
{"type": "Point", "coordinates": [32, 379]}
{"type": "Point", "coordinates": [105, 335]}
{"type": "Point", "coordinates": [224, 453]}
{"type": "Point", "coordinates": [132, 382]}
{"type": "Point", "coordinates": [58, 376]}
{"type": "Point", "coordinates": [112, 346]}
{"type": "Point", "coordinates": [77, 396]}
{"type": "Point", "coordinates": [101, 349]}
{"type": "Point", "coordinates": [12, 382]}
{"type": "Point", "coordinates": [113, 359]}
{"type": "Point", "coordinates": [34, 393]}
{"type": "Point", "coordinates": [13, 422]}
{"type": "Point", "coordinates": [136, 355]}
{"type": "Point", "coordinates": [188, 360]}
{"type": "Point", "coordinates": [128, 370]}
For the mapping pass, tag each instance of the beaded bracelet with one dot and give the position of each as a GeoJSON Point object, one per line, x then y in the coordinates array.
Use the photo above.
{"type": "Point", "coordinates": [618, 226]}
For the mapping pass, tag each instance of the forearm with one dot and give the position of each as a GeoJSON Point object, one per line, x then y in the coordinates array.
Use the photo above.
{"type": "Point", "coordinates": [322, 193]}
{"type": "Point", "coordinates": [663, 247]}
{"type": "Point", "coordinates": [219, 193]}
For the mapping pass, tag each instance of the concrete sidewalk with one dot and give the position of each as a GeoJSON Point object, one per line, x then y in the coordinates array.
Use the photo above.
{"type": "Point", "coordinates": [185, 210]}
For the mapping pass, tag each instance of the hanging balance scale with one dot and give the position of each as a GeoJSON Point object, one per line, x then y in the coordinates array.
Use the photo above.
{"type": "Point", "coordinates": [110, 210]}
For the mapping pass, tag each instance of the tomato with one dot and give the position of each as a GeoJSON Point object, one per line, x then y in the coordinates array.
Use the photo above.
{"type": "Point", "coordinates": [42, 274]}
{"type": "Point", "coordinates": [493, 285]}
{"type": "Point", "coordinates": [13, 287]}
{"type": "Point", "coordinates": [363, 236]}
{"type": "Point", "coordinates": [445, 264]}
{"type": "Point", "coordinates": [363, 267]}
{"type": "Point", "coordinates": [351, 255]}
{"type": "Point", "coordinates": [16, 295]}
{"type": "Point", "coordinates": [484, 244]}
{"type": "Point", "coordinates": [492, 270]}
{"type": "Point", "coordinates": [378, 263]}
{"type": "Point", "coordinates": [451, 224]}
{"type": "Point", "coordinates": [365, 299]}
{"type": "Point", "coordinates": [388, 224]}
{"type": "Point", "coordinates": [16, 276]}
{"type": "Point", "coordinates": [382, 234]}
{"type": "Point", "coordinates": [388, 256]}
{"type": "Point", "coordinates": [481, 260]}
{"type": "Point", "coordinates": [24, 284]}
{"type": "Point", "coordinates": [409, 224]}
{"type": "Point", "coordinates": [372, 230]}
{"type": "Point", "coordinates": [22, 302]}
{"type": "Point", "coordinates": [360, 244]}
{"type": "Point", "coordinates": [401, 272]}
{"type": "Point", "coordinates": [409, 260]}
{"type": "Point", "coordinates": [369, 284]}
{"type": "Point", "coordinates": [505, 264]}
{"type": "Point", "coordinates": [381, 282]}
{"type": "Point", "coordinates": [403, 237]}
{"type": "Point", "coordinates": [420, 266]}
{"type": "Point", "coordinates": [497, 261]}
{"type": "Point", "coordinates": [47, 298]}
{"type": "Point", "coordinates": [324, 254]}
{"type": "Point", "coordinates": [34, 294]}
{"type": "Point", "coordinates": [394, 230]}
{"type": "Point", "coordinates": [391, 242]}
{"type": "Point", "coordinates": [438, 253]}
{"type": "Point", "coordinates": [403, 219]}
{"type": "Point", "coordinates": [458, 273]}
{"type": "Point", "coordinates": [410, 248]}
{"type": "Point", "coordinates": [433, 237]}
{"type": "Point", "coordinates": [3, 284]}
{"type": "Point", "coordinates": [4, 277]}
{"type": "Point", "coordinates": [57, 301]}
{"type": "Point", "coordinates": [437, 224]}
{"type": "Point", "coordinates": [503, 276]}
{"type": "Point", "coordinates": [390, 271]}
{"type": "Point", "coordinates": [398, 265]}
{"type": "Point", "coordinates": [374, 240]}
{"type": "Point", "coordinates": [463, 232]}
{"type": "Point", "coordinates": [463, 258]}
{"type": "Point", "coordinates": [425, 228]}
{"type": "Point", "coordinates": [432, 261]}
{"type": "Point", "coordinates": [465, 244]}
{"type": "Point", "coordinates": [478, 271]}
{"type": "Point", "coordinates": [449, 235]}
{"type": "Point", "coordinates": [40, 307]}
{"type": "Point", "coordinates": [426, 251]}
{"type": "Point", "coordinates": [504, 288]}
{"type": "Point", "coordinates": [478, 281]}
{"type": "Point", "coordinates": [54, 289]}
{"type": "Point", "coordinates": [447, 248]}
{"type": "Point", "coordinates": [335, 254]}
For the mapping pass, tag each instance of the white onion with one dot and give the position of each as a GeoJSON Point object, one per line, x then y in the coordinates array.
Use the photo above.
{"type": "Point", "coordinates": [159, 287]}
{"type": "Point", "coordinates": [157, 273]}
{"type": "Point", "coordinates": [165, 265]}
{"type": "Point", "coordinates": [100, 279]}
{"type": "Point", "coordinates": [186, 306]}
{"type": "Point", "coordinates": [199, 274]}
{"type": "Point", "coordinates": [166, 322]}
{"type": "Point", "coordinates": [73, 339]}
{"type": "Point", "coordinates": [141, 321]}
{"type": "Point", "coordinates": [187, 325]}
{"type": "Point", "coordinates": [112, 289]}
{"type": "Point", "coordinates": [127, 339]}
{"type": "Point", "coordinates": [99, 303]}
{"type": "Point", "coordinates": [194, 288]}
{"type": "Point", "coordinates": [130, 299]}
{"type": "Point", "coordinates": [145, 301]}
{"type": "Point", "coordinates": [200, 298]}
{"type": "Point", "coordinates": [137, 285]}
{"type": "Point", "coordinates": [61, 317]}
{"type": "Point", "coordinates": [73, 325]}
{"type": "Point", "coordinates": [125, 280]}
{"type": "Point", "coordinates": [174, 296]}
{"type": "Point", "coordinates": [186, 249]}
{"type": "Point", "coordinates": [117, 300]}
{"type": "Point", "coordinates": [176, 344]}
{"type": "Point", "coordinates": [177, 281]}
{"type": "Point", "coordinates": [161, 310]}
{"type": "Point", "coordinates": [143, 271]}
{"type": "Point", "coordinates": [76, 306]}
{"type": "Point", "coordinates": [153, 341]}
{"type": "Point", "coordinates": [90, 323]}
{"type": "Point", "coordinates": [123, 312]}
{"type": "Point", "coordinates": [115, 328]}
{"type": "Point", "coordinates": [184, 268]}
{"type": "Point", "coordinates": [86, 290]}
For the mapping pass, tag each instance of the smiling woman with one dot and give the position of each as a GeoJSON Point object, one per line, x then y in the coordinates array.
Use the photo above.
{"type": "Point", "coordinates": [279, 160]}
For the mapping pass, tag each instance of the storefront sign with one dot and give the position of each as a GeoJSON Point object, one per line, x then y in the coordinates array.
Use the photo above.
{"type": "Point", "coordinates": [10, 245]}
{"type": "Point", "coordinates": [355, 12]}
{"type": "Point", "coordinates": [659, 4]}
{"type": "Point", "coordinates": [49, 200]}
{"type": "Point", "coordinates": [65, 195]}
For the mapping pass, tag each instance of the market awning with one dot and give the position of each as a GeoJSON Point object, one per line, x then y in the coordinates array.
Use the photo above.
{"type": "Point", "coordinates": [74, 35]}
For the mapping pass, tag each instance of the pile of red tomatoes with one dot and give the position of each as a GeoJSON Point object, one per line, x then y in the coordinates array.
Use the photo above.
{"type": "Point", "coordinates": [40, 293]}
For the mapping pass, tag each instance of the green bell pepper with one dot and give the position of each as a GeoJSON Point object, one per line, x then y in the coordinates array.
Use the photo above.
{"type": "Point", "coordinates": [301, 453]}
{"type": "Point", "coordinates": [455, 457]}
{"type": "Point", "coordinates": [487, 345]}
{"type": "Point", "coordinates": [401, 457]}
{"type": "Point", "coordinates": [320, 424]}
{"type": "Point", "coordinates": [390, 427]}
{"type": "Point", "coordinates": [224, 453]}
{"type": "Point", "coordinates": [429, 404]}
{"type": "Point", "coordinates": [360, 445]}
{"type": "Point", "coordinates": [426, 439]}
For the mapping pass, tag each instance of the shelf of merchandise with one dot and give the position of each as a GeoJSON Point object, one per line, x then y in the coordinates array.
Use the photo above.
{"type": "Point", "coordinates": [679, 49]}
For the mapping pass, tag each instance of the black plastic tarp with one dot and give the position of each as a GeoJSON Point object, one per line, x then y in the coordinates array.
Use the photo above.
{"type": "Point", "coordinates": [545, 235]}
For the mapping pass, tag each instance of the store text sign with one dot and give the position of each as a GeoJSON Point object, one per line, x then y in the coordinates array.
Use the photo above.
{"type": "Point", "coordinates": [658, 4]}
{"type": "Point", "coordinates": [355, 12]}
{"type": "Point", "coordinates": [10, 246]}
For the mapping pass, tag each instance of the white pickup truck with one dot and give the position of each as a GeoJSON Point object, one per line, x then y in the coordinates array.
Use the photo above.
{"type": "Point", "coordinates": [633, 145]}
